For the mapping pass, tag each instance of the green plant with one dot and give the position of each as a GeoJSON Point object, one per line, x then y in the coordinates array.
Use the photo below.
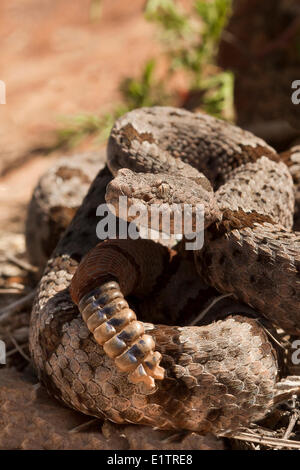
{"type": "Point", "coordinates": [173, 21]}
{"type": "Point", "coordinates": [75, 128]}
{"type": "Point", "coordinates": [95, 11]}
{"type": "Point", "coordinates": [191, 40]}
{"type": "Point", "coordinates": [143, 91]}
{"type": "Point", "coordinates": [135, 93]}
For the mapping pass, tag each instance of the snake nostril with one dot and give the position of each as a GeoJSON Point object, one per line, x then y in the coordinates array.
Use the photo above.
{"type": "Point", "coordinates": [147, 197]}
{"type": "Point", "coordinates": [76, 256]}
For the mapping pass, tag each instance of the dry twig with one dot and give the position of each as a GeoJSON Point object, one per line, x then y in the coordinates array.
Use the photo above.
{"type": "Point", "coordinates": [273, 442]}
{"type": "Point", "coordinates": [21, 263]}
{"type": "Point", "coordinates": [83, 426]}
{"type": "Point", "coordinates": [19, 348]}
{"type": "Point", "coordinates": [16, 306]}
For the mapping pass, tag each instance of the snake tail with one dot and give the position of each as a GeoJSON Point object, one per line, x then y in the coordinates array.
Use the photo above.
{"type": "Point", "coordinates": [98, 289]}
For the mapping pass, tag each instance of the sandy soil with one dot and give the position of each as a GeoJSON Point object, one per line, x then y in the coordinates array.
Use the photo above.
{"type": "Point", "coordinates": [57, 61]}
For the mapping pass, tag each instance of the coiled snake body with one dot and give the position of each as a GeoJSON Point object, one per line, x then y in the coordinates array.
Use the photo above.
{"type": "Point", "coordinates": [219, 376]}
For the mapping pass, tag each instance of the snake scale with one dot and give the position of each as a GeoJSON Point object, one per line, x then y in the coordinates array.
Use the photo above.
{"type": "Point", "coordinates": [221, 375]}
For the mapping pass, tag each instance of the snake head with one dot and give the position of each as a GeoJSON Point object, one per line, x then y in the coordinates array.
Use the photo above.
{"type": "Point", "coordinates": [169, 195]}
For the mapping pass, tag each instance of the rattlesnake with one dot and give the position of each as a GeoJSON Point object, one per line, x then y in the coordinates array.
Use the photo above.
{"type": "Point", "coordinates": [220, 376]}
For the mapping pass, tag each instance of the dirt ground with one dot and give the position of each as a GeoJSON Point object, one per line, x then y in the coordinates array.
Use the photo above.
{"type": "Point", "coordinates": [56, 60]}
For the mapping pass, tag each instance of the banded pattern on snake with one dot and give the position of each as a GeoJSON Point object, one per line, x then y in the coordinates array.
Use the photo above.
{"type": "Point", "coordinates": [219, 376]}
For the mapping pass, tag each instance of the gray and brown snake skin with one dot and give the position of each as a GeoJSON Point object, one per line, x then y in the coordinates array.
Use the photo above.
{"type": "Point", "coordinates": [220, 376]}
